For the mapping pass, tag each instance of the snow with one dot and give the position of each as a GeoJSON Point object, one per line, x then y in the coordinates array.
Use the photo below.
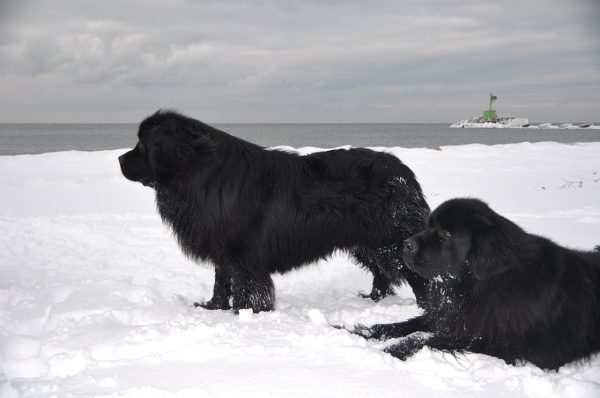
{"type": "Point", "coordinates": [96, 299]}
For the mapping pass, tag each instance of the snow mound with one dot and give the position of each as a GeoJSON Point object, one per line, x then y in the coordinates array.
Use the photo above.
{"type": "Point", "coordinates": [97, 300]}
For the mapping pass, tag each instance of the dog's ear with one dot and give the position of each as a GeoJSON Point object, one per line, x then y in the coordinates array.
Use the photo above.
{"type": "Point", "coordinates": [491, 252]}
{"type": "Point", "coordinates": [179, 142]}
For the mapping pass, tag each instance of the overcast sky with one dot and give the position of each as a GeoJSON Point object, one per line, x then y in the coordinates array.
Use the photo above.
{"type": "Point", "coordinates": [299, 61]}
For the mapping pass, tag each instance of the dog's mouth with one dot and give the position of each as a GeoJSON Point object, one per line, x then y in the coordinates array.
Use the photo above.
{"type": "Point", "coordinates": [409, 260]}
{"type": "Point", "coordinates": [147, 182]}
{"type": "Point", "coordinates": [417, 265]}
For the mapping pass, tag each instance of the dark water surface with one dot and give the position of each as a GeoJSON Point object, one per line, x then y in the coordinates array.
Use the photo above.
{"type": "Point", "coordinates": [16, 139]}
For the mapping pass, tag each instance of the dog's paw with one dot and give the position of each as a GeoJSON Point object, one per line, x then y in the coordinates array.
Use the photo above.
{"type": "Point", "coordinates": [210, 305]}
{"type": "Point", "coordinates": [377, 294]}
{"type": "Point", "coordinates": [364, 332]}
{"type": "Point", "coordinates": [406, 347]}
{"type": "Point", "coordinates": [339, 327]}
{"type": "Point", "coordinates": [359, 330]}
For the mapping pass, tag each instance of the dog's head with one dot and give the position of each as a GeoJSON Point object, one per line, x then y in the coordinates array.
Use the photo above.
{"type": "Point", "coordinates": [462, 236]}
{"type": "Point", "coordinates": [169, 142]}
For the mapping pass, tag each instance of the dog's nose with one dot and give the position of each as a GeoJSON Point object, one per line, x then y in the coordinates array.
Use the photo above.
{"type": "Point", "coordinates": [410, 245]}
{"type": "Point", "coordinates": [121, 158]}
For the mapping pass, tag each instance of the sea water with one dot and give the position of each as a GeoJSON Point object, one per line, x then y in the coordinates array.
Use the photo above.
{"type": "Point", "coordinates": [17, 139]}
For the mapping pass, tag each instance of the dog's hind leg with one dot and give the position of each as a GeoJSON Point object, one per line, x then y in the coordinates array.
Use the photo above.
{"type": "Point", "coordinates": [388, 269]}
{"type": "Point", "coordinates": [382, 285]}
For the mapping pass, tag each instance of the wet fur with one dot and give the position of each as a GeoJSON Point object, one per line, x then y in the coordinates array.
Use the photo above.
{"type": "Point", "coordinates": [498, 290]}
{"type": "Point", "coordinates": [253, 212]}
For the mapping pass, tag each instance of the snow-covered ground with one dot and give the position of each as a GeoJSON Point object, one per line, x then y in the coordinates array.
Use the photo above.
{"type": "Point", "coordinates": [96, 298]}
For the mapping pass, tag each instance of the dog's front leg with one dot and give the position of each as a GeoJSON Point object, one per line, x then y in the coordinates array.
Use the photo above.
{"type": "Point", "coordinates": [221, 292]}
{"type": "Point", "coordinates": [252, 290]}
{"type": "Point", "coordinates": [391, 330]}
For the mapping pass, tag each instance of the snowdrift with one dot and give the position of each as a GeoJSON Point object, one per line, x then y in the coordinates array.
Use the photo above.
{"type": "Point", "coordinates": [96, 298]}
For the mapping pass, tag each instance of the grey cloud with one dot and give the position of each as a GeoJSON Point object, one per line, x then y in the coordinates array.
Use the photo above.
{"type": "Point", "coordinates": [292, 60]}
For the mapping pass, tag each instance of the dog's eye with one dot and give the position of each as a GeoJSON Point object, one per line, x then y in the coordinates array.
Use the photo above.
{"type": "Point", "coordinates": [447, 234]}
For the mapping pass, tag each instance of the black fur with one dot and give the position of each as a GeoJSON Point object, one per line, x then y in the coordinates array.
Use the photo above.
{"type": "Point", "coordinates": [498, 290]}
{"type": "Point", "coordinates": [253, 212]}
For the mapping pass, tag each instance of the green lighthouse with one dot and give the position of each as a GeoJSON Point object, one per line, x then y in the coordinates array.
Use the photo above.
{"type": "Point", "coordinates": [490, 113]}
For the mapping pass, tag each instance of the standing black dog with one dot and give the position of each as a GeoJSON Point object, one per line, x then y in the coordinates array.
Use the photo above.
{"type": "Point", "coordinates": [253, 211]}
{"type": "Point", "coordinates": [498, 290]}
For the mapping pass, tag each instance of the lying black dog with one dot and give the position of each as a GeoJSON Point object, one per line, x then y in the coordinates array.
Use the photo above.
{"type": "Point", "coordinates": [253, 212]}
{"type": "Point", "coordinates": [498, 290]}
